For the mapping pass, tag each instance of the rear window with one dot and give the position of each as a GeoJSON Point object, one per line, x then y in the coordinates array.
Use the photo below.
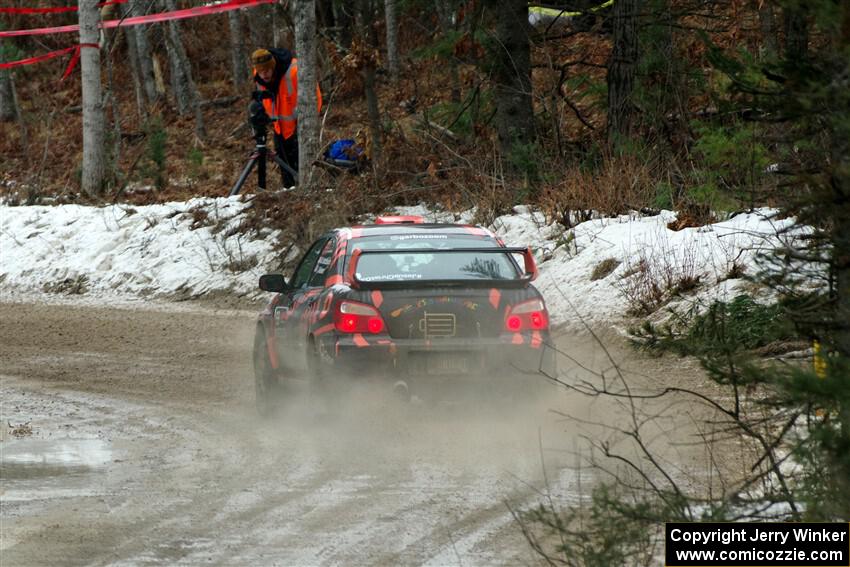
{"type": "Point", "coordinates": [402, 263]}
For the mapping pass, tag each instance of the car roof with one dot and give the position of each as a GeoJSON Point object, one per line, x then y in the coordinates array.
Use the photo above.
{"type": "Point", "coordinates": [360, 231]}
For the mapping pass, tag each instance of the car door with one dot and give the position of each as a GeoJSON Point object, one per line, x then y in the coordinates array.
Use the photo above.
{"type": "Point", "coordinates": [293, 306]}
{"type": "Point", "coordinates": [318, 303]}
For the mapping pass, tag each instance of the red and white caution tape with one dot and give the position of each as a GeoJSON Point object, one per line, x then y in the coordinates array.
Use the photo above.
{"type": "Point", "coordinates": [75, 58]}
{"type": "Point", "coordinates": [148, 19]}
{"type": "Point", "coordinates": [56, 10]}
{"type": "Point", "coordinates": [37, 59]}
{"type": "Point", "coordinates": [58, 53]}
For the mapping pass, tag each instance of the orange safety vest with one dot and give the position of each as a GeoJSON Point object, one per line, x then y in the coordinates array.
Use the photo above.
{"type": "Point", "coordinates": [285, 100]}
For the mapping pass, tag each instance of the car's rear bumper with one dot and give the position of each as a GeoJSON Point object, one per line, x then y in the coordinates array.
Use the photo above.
{"type": "Point", "coordinates": [509, 354]}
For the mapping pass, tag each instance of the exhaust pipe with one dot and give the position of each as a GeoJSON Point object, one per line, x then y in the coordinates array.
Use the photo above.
{"type": "Point", "coordinates": [401, 391]}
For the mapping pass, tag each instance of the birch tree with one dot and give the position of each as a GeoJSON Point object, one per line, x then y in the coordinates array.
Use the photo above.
{"type": "Point", "coordinates": [93, 121]}
{"type": "Point", "coordinates": [308, 114]}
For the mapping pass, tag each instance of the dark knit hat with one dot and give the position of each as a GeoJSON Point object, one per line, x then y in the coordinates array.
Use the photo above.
{"type": "Point", "coordinates": [262, 60]}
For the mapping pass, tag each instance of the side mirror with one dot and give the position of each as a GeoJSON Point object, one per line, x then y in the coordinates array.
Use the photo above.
{"type": "Point", "coordinates": [273, 282]}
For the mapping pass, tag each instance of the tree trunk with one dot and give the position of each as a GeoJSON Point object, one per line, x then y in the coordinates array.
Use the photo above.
{"type": "Point", "coordinates": [158, 77]}
{"type": "Point", "coordinates": [375, 128]}
{"type": "Point", "coordinates": [796, 31]}
{"type": "Point", "coordinates": [111, 100]}
{"type": "Point", "coordinates": [143, 49]}
{"type": "Point", "coordinates": [325, 14]}
{"type": "Point", "coordinates": [177, 63]}
{"type": "Point", "coordinates": [391, 12]}
{"type": "Point", "coordinates": [767, 22]}
{"type": "Point", "coordinates": [514, 110]}
{"type": "Point", "coordinates": [447, 12]}
{"type": "Point", "coordinates": [237, 49]}
{"type": "Point", "coordinates": [261, 23]}
{"type": "Point", "coordinates": [93, 122]}
{"type": "Point", "coordinates": [343, 18]}
{"type": "Point", "coordinates": [281, 24]}
{"type": "Point", "coordinates": [135, 69]}
{"type": "Point", "coordinates": [622, 67]}
{"type": "Point", "coordinates": [364, 16]}
{"type": "Point", "coordinates": [839, 183]}
{"type": "Point", "coordinates": [308, 115]}
{"type": "Point", "coordinates": [188, 99]}
{"type": "Point", "coordinates": [8, 104]}
{"type": "Point", "coordinates": [10, 110]}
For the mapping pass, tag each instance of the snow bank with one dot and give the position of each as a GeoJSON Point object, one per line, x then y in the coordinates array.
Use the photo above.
{"type": "Point", "coordinates": [186, 249]}
{"type": "Point", "coordinates": [567, 258]}
{"type": "Point", "coordinates": [153, 251]}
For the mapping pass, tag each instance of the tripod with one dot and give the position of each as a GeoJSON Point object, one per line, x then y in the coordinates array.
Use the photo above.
{"type": "Point", "coordinates": [259, 121]}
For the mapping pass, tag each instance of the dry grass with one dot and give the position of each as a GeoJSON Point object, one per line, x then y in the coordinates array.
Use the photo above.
{"type": "Point", "coordinates": [20, 430]}
{"type": "Point", "coordinates": [658, 274]}
{"type": "Point", "coordinates": [78, 285]}
{"type": "Point", "coordinates": [621, 184]}
{"type": "Point", "coordinates": [604, 269]}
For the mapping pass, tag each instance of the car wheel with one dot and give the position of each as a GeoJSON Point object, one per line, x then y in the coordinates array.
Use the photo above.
{"type": "Point", "coordinates": [265, 378]}
{"type": "Point", "coordinates": [322, 382]}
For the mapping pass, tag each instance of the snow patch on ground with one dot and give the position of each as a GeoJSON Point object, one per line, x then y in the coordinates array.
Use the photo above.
{"type": "Point", "coordinates": [190, 249]}
{"type": "Point", "coordinates": [150, 251]}
{"type": "Point", "coordinates": [567, 258]}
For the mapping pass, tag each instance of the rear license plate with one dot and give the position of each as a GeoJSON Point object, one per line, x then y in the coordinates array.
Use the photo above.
{"type": "Point", "coordinates": [447, 363]}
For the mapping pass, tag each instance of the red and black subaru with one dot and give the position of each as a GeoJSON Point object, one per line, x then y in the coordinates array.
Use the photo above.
{"type": "Point", "coordinates": [407, 302]}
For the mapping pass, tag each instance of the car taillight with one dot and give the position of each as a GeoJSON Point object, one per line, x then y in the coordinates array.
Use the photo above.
{"type": "Point", "coordinates": [353, 317]}
{"type": "Point", "coordinates": [528, 315]}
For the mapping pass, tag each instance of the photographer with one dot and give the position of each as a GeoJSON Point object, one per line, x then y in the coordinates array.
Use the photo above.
{"type": "Point", "coordinates": [276, 72]}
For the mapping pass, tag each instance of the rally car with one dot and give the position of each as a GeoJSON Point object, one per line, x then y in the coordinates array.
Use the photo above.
{"type": "Point", "coordinates": [407, 302]}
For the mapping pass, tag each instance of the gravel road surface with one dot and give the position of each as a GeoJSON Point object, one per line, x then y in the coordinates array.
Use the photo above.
{"type": "Point", "coordinates": [146, 450]}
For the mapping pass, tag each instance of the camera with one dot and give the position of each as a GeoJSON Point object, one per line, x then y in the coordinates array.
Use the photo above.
{"type": "Point", "coordinates": [260, 96]}
{"type": "Point", "coordinates": [257, 115]}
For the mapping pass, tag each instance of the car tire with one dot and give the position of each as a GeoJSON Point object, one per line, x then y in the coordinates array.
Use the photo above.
{"type": "Point", "coordinates": [322, 385]}
{"type": "Point", "coordinates": [266, 386]}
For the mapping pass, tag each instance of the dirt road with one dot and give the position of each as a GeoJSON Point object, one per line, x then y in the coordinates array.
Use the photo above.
{"type": "Point", "coordinates": [146, 450]}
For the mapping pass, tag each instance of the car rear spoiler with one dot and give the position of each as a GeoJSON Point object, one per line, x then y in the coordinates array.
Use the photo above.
{"type": "Point", "coordinates": [530, 268]}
